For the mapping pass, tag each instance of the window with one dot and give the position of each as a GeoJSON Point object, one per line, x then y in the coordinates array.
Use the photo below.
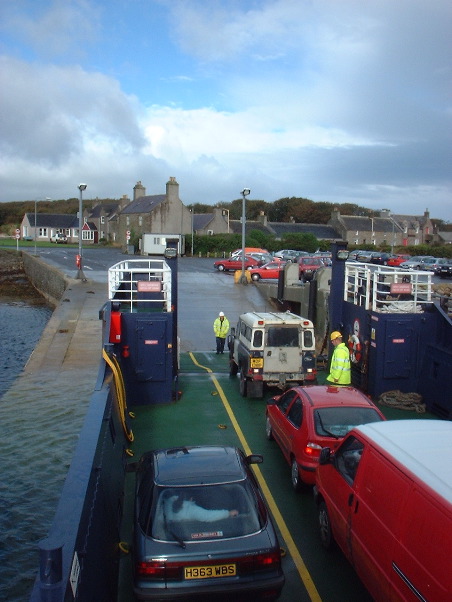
{"type": "Point", "coordinates": [102, 219]}
{"type": "Point", "coordinates": [295, 414]}
{"type": "Point", "coordinates": [307, 338]}
{"type": "Point", "coordinates": [285, 400]}
{"type": "Point", "coordinates": [282, 337]}
{"type": "Point", "coordinates": [348, 457]}
{"type": "Point", "coordinates": [140, 220]}
{"type": "Point", "coordinates": [258, 338]}
{"type": "Point", "coordinates": [87, 235]}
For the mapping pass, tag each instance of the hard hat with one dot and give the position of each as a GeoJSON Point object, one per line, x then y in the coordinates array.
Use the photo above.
{"type": "Point", "coordinates": [221, 314]}
{"type": "Point", "coordinates": [335, 335]}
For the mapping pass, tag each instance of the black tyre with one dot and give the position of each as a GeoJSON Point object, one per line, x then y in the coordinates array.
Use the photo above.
{"type": "Point", "coordinates": [243, 384]}
{"type": "Point", "coordinates": [326, 534]}
{"type": "Point", "coordinates": [297, 483]}
{"type": "Point", "coordinates": [268, 430]}
{"type": "Point", "coordinates": [221, 268]}
{"type": "Point", "coordinates": [255, 277]}
{"type": "Point", "coordinates": [233, 368]}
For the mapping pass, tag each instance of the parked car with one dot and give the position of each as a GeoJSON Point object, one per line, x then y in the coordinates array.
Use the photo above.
{"type": "Point", "coordinates": [418, 262]}
{"type": "Point", "coordinates": [304, 419]}
{"type": "Point", "coordinates": [444, 269]}
{"type": "Point", "coordinates": [385, 498]}
{"type": "Point", "coordinates": [235, 263]}
{"type": "Point", "coordinates": [202, 529]}
{"type": "Point", "coordinates": [287, 254]}
{"type": "Point", "coordinates": [269, 270]}
{"type": "Point", "coordinates": [380, 258]}
{"type": "Point", "coordinates": [59, 238]}
{"type": "Point", "coordinates": [249, 250]}
{"type": "Point", "coordinates": [396, 260]}
{"type": "Point", "coordinates": [308, 266]}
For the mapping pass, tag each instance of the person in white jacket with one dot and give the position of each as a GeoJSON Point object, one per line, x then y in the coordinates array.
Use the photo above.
{"type": "Point", "coordinates": [181, 507]}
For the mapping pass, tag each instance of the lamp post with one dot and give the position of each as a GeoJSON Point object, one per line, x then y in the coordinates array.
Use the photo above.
{"type": "Point", "coordinates": [80, 274]}
{"type": "Point", "coordinates": [192, 231]}
{"type": "Point", "coordinates": [245, 192]}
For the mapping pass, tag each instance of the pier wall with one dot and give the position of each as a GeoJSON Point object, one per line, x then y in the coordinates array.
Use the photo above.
{"type": "Point", "coordinates": [49, 281]}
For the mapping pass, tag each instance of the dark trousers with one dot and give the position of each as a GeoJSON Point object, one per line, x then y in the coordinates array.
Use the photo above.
{"type": "Point", "coordinates": [220, 344]}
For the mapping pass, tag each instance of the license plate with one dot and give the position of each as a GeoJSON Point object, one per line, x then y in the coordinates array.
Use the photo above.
{"type": "Point", "coordinates": [211, 571]}
{"type": "Point", "coordinates": [257, 362]}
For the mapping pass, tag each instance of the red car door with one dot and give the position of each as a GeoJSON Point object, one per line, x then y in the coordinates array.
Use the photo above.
{"type": "Point", "coordinates": [277, 414]}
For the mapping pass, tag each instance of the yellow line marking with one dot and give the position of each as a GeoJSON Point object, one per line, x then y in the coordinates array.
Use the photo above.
{"type": "Point", "coordinates": [292, 548]}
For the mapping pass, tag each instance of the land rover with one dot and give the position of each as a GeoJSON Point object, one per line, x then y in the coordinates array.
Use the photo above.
{"type": "Point", "coordinates": [272, 349]}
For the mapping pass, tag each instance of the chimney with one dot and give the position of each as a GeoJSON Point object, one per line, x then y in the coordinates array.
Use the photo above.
{"type": "Point", "coordinates": [172, 189]}
{"type": "Point", "coordinates": [138, 191]}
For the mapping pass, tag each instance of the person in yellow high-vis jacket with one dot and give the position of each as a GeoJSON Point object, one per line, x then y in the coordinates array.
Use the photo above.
{"type": "Point", "coordinates": [221, 329]}
{"type": "Point", "coordinates": [340, 362]}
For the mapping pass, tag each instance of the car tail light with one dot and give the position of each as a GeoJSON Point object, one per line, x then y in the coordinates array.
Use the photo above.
{"type": "Point", "coordinates": [312, 450]}
{"type": "Point", "coordinates": [159, 569]}
{"type": "Point", "coordinates": [260, 562]}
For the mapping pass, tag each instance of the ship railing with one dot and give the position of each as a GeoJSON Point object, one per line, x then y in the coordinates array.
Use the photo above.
{"type": "Point", "coordinates": [387, 289]}
{"type": "Point", "coordinates": [140, 285]}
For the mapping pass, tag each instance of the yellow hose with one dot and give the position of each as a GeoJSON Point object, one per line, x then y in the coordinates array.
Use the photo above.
{"type": "Point", "coordinates": [120, 392]}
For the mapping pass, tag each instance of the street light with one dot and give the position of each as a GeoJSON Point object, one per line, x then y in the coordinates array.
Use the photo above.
{"type": "Point", "coordinates": [80, 274]}
{"type": "Point", "coordinates": [245, 192]}
{"type": "Point", "coordinates": [192, 231]}
{"type": "Point", "coordinates": [36, 200]}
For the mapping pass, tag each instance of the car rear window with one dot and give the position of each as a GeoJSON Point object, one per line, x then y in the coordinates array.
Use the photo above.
{"type": "Point", "coordinates": [337, 422]}
{"type": "Point", "coordinates": [278, 336]}
{"type": "Point", "coordinates": [202, 512]}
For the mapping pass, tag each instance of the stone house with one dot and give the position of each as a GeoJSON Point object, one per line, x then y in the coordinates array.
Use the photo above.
{"type": "Point", "coordinates": [160, 213]}
{"type": "Point", "coordinates": [212, 223]}
{"type": "Point", "coordinates": [102, 217]}
{"type": "Point", "coordinates": [386, 229]}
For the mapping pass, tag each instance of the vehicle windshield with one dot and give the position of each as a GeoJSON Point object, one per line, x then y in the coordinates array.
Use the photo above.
{"type": "Point", "coordinates": [337, 422]}
{"type": "Point", "coordinates": [205, 512]}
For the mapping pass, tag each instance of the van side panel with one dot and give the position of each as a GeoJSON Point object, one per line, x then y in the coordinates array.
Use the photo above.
{"type": "Point", "coordinates": [380, 496]}
{"type": "Point", "coordinates": [423, 561]}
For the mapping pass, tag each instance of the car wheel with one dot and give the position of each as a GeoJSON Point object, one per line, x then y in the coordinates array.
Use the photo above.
{"type": "Point", "coordinates": [233, 368]}
{"type": "Point", "coordinates": [221, 268]}
{"type": "Point", "coordinates": [243, 383]}
{"type": "Point", "coordinates": [297, 483]}
{"type": "Point", "coordinates": [268, 429]}
{"type": "Point", "coordinates": [326, 535]}
{"type": "Point", "coordinates": [255, 277]}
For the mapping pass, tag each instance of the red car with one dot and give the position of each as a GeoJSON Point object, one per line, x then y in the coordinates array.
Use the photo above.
{"type": "Point", "coordinates": [308, 266]}
{"type": "Point", "coordinates": [235, 263]}
{"type": "Point", "coordinates": [396, 260]}
{"type": "Point", "coordinates": [269, 270]}
{"type": "Point", "coordinates": [304, 419]}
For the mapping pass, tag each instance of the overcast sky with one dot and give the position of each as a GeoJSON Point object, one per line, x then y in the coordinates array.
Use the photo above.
{"type": "Point", "coordinates": [333, 100]}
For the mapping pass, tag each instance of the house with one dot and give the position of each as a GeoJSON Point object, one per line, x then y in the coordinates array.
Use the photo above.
{"type": "Point", "coordinates": [387, 229]}
{"type": "Point", "coordinates": [160, 213]}
{"type": "Point", "coordinates": [282, 229]}
{"type": "Point", "coordinates": [212, 223]}
{"type": "Point", "coordinates": [49, 224]}
{"type": "Point", "coordinates": [102, 217]}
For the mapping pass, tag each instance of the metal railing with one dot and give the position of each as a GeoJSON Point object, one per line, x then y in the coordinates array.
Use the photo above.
{"type": "Point", "coordinates": [387, 289]}
{"type": "Point", "coordinates": [140, 283]}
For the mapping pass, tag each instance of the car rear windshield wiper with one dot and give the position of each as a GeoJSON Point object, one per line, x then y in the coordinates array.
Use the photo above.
{"type": "Point", "coordinates": [328, 432]}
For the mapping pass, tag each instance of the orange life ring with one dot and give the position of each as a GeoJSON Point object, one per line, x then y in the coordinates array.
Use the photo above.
{"type": "Point", "coordinates": [354, 346]}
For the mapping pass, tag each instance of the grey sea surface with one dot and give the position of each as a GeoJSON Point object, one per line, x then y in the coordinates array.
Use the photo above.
{"type": "Point", "coordinates": [25, 421]}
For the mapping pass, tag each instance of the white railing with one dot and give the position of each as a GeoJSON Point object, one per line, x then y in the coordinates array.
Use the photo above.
{"type": "Point", "coordinates": [140, 283]}
{"type": "Point", "coordinates": [387, 289]}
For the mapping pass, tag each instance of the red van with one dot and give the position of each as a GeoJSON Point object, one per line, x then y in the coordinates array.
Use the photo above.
{"type": "Point", "coordinates": [385, 497]}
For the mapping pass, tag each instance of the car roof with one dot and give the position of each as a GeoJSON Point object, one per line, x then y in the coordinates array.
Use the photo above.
{"type": "Point", "coordinates": [329, 395]}
{"type": "Point", "coordinates": [197, 465]}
